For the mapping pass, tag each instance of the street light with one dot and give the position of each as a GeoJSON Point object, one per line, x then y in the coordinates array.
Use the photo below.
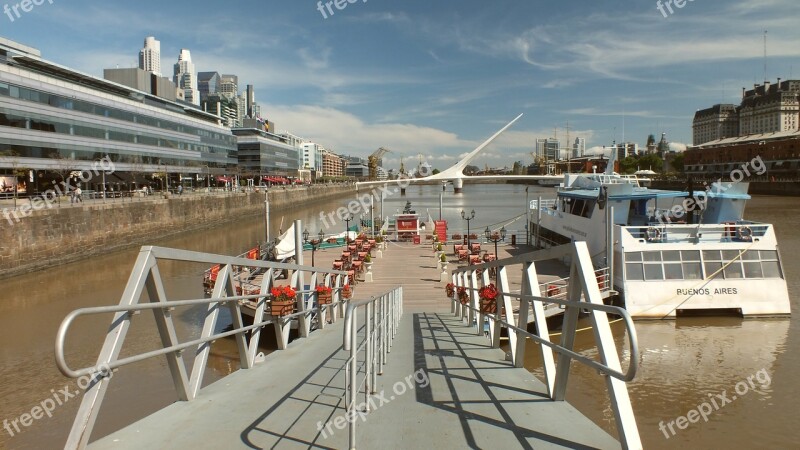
{"type": "Point", "coordinates": [208, 185]}
{"type": "Point", "coordinates": [495, 237]}
{"type": "Point", "coordinates": [468, 218]}
{"type": "Point", "coordinates": [104, 180]}
{"type": "Point", "coordinates": [314, 243]}
{"type": "Point", "coordinates": [347, 220]}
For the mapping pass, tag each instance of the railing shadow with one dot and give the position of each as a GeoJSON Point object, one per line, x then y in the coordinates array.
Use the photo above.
{"type": "Point", "coordinates": [435, 336]}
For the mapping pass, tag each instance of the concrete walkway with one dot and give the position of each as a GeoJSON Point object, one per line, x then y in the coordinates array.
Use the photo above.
{"type": "Point", "coordinates": [443, 387]}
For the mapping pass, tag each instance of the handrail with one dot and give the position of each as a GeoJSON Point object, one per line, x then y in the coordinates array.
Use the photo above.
{"type": "Point", "coordinates": [584, 294]}
{"type": "Point", "coordinates": [145, 276]}
{"type": "Point", "coordinates": [381, 319]}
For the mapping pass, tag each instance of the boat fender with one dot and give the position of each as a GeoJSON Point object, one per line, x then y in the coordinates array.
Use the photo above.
{"type": "Point", "coordinates": [744, 233]}
{"type": "Point", "coordinates": [653, 234]}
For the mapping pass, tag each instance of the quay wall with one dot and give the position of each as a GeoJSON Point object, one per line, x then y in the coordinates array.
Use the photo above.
{"type": "Point", "coordinates": [55, 236]}
{"type": "Point", "coordinates": [783, 188]}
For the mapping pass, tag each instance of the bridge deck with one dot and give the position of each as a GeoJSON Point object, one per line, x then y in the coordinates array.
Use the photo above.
{"type": "Point", "coordinates": [473, 397]}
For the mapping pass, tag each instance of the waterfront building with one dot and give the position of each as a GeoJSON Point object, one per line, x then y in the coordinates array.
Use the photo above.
{"type": "Point", "coordinates": [142, 80]}
{"type": "Point", "coordinates": [262, 153]}
{"type": "Point", "coordinates": [718, 122]}
{"type": "Point", "coordinates": [55, 120]}
{"type": "Point", "coordinates": [767, 108]}
{"type": "Point", "coordinates": [333, 166]}
{"type": "Point", "coordinates": [312, 156]}
{"type": "Point", "coordinates": [186, 77]}
{"type": "Point", "coordinates": [767, 156]}
{"type": "Point", "coordinates": [357, 168]}
{"type": "Point", "coordinates": [150, 56]}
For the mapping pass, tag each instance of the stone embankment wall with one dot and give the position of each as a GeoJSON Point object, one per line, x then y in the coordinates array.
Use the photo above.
{"type": "Point", "coordinates": [54, 236]}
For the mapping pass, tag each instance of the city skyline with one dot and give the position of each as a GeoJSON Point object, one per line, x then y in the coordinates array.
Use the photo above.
{"type": "Point", "coordinates": [439, 79]}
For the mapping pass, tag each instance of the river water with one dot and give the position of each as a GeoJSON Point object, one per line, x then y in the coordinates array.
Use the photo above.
{"type": "Point", "coordinates": [684, 362]}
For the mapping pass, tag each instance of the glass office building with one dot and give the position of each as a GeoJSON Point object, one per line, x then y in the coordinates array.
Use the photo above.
{"type": "Point", "coordinates": [54, 119]}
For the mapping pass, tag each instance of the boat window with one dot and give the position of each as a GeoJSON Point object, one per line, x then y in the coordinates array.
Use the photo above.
{"type": "Point", "coordinates": [769, 255]}
{"type": "Point", "coordinates": [734, 270]}
{"type": "Point", "coordinates": [653, 272]}
{"type": "Point", "coordinates": [712, 268]}
{"type": "Point", "coordinates": [730, 255]}
{"type": "Point", "coordinates": [672, 255]}
{"type": "Point", "coordinates": [690, 255]}
{"type": "Point", "coordinates": [771, 269]}
{"type": "Point", "coordinates": [750, 256]}
{"type": "Point", "coordinates": [692, 271]}
{"type": "Point", "coordinates": [673, 271]}
{"type": "Point", "coordinates": [652, 256]}
{"type": "Point", "coordinates": [633, 256]}
{"type": "Point", "coordinates": [712, 255]}
{"type": "Point", "coordinates": [634, 272]}
{"type": "Point", "coordinates": [753, 270]}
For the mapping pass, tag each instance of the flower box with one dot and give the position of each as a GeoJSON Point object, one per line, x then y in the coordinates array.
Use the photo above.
{"type": "Point", "coordinates": [463, 297]}
{"type": "Point", "coordinates": [347, 292]}
{"type": "Point", "coordinates": [324, 295]}
{"type": "Point", "coordinates": [488, 295]}
{"type": "Point", "coordinates": [450, 289]}
{"type": "Point", "coordinates": [283, 301]}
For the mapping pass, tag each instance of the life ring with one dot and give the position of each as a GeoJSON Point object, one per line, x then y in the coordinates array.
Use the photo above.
{"type": "Point", "coordinates": [653, 234]}
{"type": "Point", "coordinates": [744, 233]}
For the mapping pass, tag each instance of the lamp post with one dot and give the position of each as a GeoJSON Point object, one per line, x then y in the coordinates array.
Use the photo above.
{"type": "Point", "coordinates": [104, 180]}
{"type": "Point", "coordinates": [315, 243]}
{"type": "Point", "coordinates": [347, 220]}
{"type": "Point", "coordinates": [495, 237]}
{"type": "Point", "coordinates": [208, 184]}
{"type": "Point", "coordinates": [468, 218]}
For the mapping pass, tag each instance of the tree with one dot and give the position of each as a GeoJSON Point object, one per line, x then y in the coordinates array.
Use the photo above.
{"type": "Point", "coordinates": [628, 165]}
{"type": "Point", "coordinates": [435, 171]}
{"type": "Point", "coordinates": [677, 162]}
{"type": "Point", "coordinates": [651, 161]}
{"type": "Point", "coordinates": [469, 170]}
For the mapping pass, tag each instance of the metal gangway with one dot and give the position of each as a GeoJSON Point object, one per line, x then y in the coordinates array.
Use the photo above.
{"type": "Point", "coordinates": [146, 279]}
{"type": "Point", "coordinates": [584, 293]}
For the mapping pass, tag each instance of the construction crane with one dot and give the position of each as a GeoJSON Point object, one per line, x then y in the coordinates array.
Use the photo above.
{"type": "Point", "coordinates": [374, 162]}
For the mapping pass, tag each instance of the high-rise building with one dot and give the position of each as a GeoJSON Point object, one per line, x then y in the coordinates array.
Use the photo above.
{"type": "Point", "coordinates": [579, 147]}
{"type": "Point", "coordinates": [186, 77]}
{"type": "Point", "coordinates": [208, 83]}
{"type": "Point", "coordinates": [251, 99]}
{"type": "Point", "coordinates": [229, 85]}
{"type": "Point", "coordinates": [143, 81]}
{"type": "Point", "coordinates": [150, 56]}
{"type": "Point", "coordinates": [549, 149]}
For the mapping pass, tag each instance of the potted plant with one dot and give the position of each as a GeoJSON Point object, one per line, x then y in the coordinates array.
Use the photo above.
{"type": "Point", "coordinates": [347, 292]}
{"type": "Point", "coordinates": [368, 262]}
{"type": "Point", "coordinates": [324, 294]}
{"type": "Point", "coordinates": [463, 297]}
{"type": "Point", "coordinates": [450, 289]}
{"type": "Point", "coordinates": [457, 237]}
{"type": "Point", "coordinates": [443, 260]}
{"type": "Point", "coordinates": [283, 301]}
{"type": "Point", "coordinates": [488, 295]}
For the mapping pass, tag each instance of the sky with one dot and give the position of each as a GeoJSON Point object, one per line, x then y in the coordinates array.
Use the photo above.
{"type": "Point", "coordinates": [437, 77]}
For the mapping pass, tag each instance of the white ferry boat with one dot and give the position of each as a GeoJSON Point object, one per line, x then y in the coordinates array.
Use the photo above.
{"type": "Point", "coordinates": [667, 259]}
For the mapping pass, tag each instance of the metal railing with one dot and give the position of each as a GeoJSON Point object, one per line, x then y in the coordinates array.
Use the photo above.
{"type": "Point", "coordinates": [583, 294]}
{"type": "Point", "coordinates": [381, 318]}
{"type": "Point", "coordinates": [145, 277]}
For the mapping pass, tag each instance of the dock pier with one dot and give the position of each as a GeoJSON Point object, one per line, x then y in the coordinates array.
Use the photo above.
{"type": "Point", "coordinates": [427, 376]}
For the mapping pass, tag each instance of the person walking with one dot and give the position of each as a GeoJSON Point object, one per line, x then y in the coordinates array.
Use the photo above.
{"type": "Point", "coordinates": [77, 195]}
{"type": "Point", "coordinates": [180, 189]}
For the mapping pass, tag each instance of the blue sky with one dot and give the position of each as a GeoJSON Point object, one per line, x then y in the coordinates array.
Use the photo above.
{"type": "Point", "coordinates": [438, 77]}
